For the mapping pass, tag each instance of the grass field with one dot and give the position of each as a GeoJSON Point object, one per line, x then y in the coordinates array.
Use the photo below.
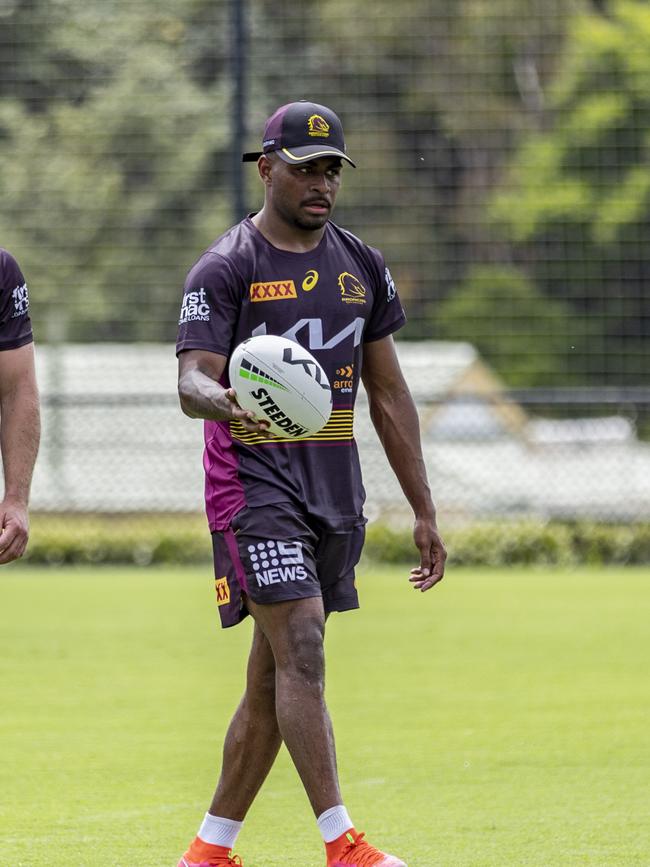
{"type": "Point", "coordinates": [503, 719]}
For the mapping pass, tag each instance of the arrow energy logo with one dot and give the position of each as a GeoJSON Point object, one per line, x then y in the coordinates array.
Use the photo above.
{"type": "Point", "coordinates": [345, 384]}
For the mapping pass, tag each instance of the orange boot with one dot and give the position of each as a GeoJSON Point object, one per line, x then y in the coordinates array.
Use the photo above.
{"type": "Point", "coordinates": [202, 854]}
{"type": "Point", "coordinates": [351, 850]}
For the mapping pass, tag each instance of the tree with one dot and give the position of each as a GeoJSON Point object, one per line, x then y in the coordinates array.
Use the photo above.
{"type": "Point", "coordinates": [111, 187]}
{"type": "Point", "coordinates": [434, 95]}
{"type": "Point", "coordinates": [500, 312]}
{"type": "Point", "coordinates": [116, 153]}
{"type": "Point", "coordinates": [576, 209]}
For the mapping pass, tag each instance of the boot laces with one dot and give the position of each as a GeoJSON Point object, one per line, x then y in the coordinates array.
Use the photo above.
{"type": "Point", "coordinates": [363, 854]}
{"type": "Point", "coordinates": [230, 860]}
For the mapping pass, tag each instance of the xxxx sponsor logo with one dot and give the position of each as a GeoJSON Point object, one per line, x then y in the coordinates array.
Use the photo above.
{"type": "Point", "coordinates": [352, 289]}
{"type": "Point", "coordinates": [277, 562]}
{"type": "Point", "coordinates": [275, 291]}
{"type": "Point", "coordinates": [345, 384]}
{"type": "Point", "coordinates": [223, 591]}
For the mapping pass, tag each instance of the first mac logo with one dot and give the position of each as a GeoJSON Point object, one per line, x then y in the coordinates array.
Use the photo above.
{"type": "Point", "coordinates": [195, 307]}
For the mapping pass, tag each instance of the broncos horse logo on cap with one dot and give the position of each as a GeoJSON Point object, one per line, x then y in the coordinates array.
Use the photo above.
{"type": "Point", "coordinates": [318, 126]}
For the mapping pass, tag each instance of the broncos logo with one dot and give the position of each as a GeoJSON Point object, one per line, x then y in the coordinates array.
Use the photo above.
{"type": "Point", "coordinates": [318, 126]}
{"type": "Point", "coordinates": [352, 289]}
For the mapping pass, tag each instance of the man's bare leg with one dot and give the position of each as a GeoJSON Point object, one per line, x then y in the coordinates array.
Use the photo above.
{"type": "Point", "coordinates": [284, 700]}
{"type": "Point", "coordinates": [253, 738]}
{"type": "Point", "coordinates": [295, 632]}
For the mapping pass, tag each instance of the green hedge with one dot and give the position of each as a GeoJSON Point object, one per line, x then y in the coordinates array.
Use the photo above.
{"type": "Point", "coordinates": [131, 539]}
{"type": "Point", "coordinates": [502, 543]}
{"type": "Point", "coordinates": [184, 539]}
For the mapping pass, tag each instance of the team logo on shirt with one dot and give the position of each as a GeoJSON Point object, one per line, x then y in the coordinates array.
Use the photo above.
{"type": "Point", "coordinates": [21, 301]}
{"type": "Point", "coordinates": [318, 126]}
{"type": "Point", "coordinates": [275, 291]}
{"type": "Point", "coordinates": [391, 289]}
{"type": "Point", "coordinates": [277, 562]}
{"type": "Point", "coordinates": [195, 307]}
{"type": "Point", "coordinates": [345, 384]}
{"type": "Point", "coordinates": [352, 289]}
{"type": "Point", "coordinates": [223, 591]}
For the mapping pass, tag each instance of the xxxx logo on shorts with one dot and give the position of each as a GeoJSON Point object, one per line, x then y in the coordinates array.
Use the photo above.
{"type": "Point", "coordinates": [223, 591]}
{"type": "Point", "coordinates": [275, 291]}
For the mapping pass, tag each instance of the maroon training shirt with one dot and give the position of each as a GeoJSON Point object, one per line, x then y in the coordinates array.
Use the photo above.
{"type": "Point", "coordinates": [330, 300]}
{"type": "Point", "coordinates": [15, 325]}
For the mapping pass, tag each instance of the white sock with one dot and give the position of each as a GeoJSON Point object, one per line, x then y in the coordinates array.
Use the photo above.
{"type": "Point", "coordinates": [219, 832]}
{"type": "Point", "coordinates": [334, 822]}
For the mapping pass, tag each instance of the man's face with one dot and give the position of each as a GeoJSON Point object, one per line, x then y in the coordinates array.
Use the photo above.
{"type": "Point", "coordinates": [303, 195]}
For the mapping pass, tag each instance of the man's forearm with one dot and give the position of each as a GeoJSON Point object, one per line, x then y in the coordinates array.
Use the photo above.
{"type": "Point", "coordinates": [397, 424]}
{"type": "Point", "coordinates": [200, 396]}
{"type": "Point", "coordinates": [19, 438]}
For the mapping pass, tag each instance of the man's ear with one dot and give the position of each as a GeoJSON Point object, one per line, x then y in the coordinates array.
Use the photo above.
{"type": "Point", "coordinates": [265, 168]}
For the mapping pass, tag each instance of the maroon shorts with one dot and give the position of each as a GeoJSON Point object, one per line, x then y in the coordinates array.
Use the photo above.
{"type": "Point", "coordinates": [275, 553]}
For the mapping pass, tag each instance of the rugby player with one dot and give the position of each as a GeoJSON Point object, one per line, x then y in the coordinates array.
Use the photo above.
{"type": "Point", "coordinates": [287, 517]}
{"type": "Point", "coordinates": [19, 410]}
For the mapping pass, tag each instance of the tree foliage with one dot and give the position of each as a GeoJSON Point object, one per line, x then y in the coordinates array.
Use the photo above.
{"type": "Point", "coordinates": [109, 181]}
{"type": "Point", "coordinates": [488, 310]}
{"type": "Point", "coordinates": [502, 147]}
{"type": "Point", "coordinates": [576, 206]}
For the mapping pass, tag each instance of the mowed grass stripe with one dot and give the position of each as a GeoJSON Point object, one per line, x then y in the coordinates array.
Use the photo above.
{"type": "Point", "coordinates": [499, 720]}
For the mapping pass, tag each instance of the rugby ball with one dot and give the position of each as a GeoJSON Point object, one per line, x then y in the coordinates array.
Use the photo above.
{"type": "Point", "coordinates": [282, 383]}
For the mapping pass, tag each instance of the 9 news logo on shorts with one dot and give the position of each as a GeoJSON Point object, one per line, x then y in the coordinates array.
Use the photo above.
{"type": "Point", "coordinates": [277, 562]}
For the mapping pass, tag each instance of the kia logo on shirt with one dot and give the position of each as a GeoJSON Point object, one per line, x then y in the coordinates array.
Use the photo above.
{"type": "Point", "coordinates": [314, 335]}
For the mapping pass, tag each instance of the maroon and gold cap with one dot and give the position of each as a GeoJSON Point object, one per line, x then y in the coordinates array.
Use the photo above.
{"type": "Point", "coordinates": [302, 131]}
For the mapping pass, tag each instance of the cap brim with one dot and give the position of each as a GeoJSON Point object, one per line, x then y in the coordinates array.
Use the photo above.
{"type": "Point", "coordinates": [311, 152]}
{"type": "Point", "coordinates": [295, 156]}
